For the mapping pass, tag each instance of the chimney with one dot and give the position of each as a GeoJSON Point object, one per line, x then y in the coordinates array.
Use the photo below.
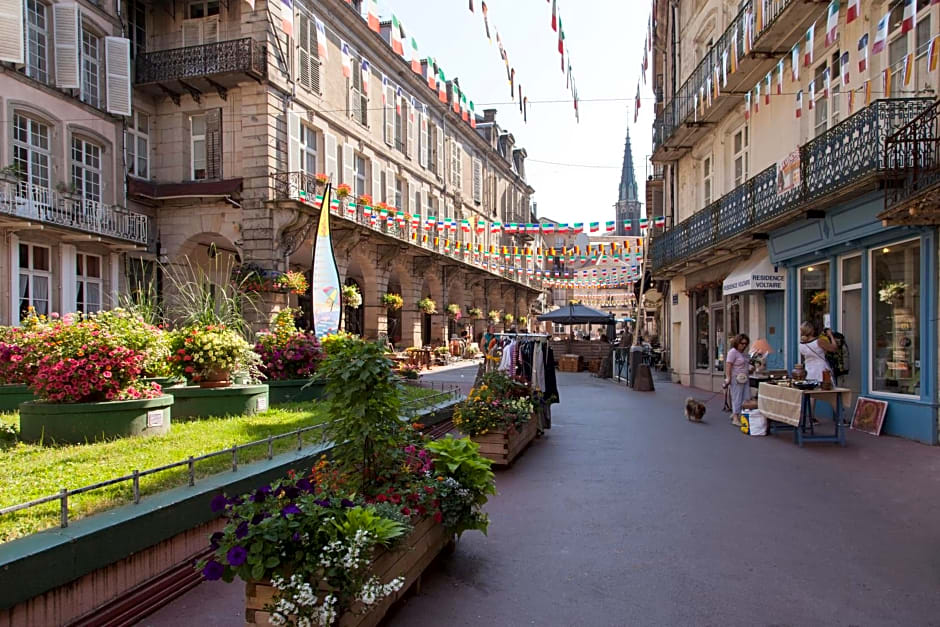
{"type": "Point", "coordinates": [489, 115]}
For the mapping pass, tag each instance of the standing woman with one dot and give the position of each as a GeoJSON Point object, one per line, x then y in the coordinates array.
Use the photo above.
{"type": "Point", "coordinates": [737, 364]}
{"type": "Point", "coordinates": [813, 349]}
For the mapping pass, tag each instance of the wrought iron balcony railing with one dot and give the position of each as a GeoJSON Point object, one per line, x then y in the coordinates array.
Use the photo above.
{"type": "Point", "coordinates": [35, 202]}
{"type": "Point", "coordinates": [302, 187]}
{"type": "Point", "coordinates": [829, 164]}
{"type": "Point", "coordinates": [913, 153]}
{"type": "Point", "coordinates": [236, 55]}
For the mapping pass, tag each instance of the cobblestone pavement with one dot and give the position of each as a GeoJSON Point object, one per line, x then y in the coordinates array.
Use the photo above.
{"type": "Point", "coordinates": [626, 514]}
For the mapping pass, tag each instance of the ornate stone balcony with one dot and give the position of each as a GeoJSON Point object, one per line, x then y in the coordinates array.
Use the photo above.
{"type": "Point", "coordinates": [847, 158]}
{"type": "Point", "coordinates": [20, 200]}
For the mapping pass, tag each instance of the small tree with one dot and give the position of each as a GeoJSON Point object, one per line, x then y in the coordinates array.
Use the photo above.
{"type": "Point", "coordinates": [363, 402]}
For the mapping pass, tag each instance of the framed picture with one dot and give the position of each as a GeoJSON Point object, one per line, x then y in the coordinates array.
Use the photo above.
{"type": "Point", "coordinates": [869, 415]}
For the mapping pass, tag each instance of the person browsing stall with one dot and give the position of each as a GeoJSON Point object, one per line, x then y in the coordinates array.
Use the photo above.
{"type": "Point", "coordinates": [737, 364]}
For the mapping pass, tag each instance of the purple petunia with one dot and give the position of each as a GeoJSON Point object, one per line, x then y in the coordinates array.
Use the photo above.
{"type": "Point", "coordinates": [291, 492]}
{"type": "Point", "coordinates": [214, 540]}
{"type": "Point", "coordinates": [347, 503]}
{"type": "Point", "coordinates": [305, 485]}
{"type": "Point", "coordinates": [236, 555]}
{"type": "Point", "coordinates": [218, 503]}
{"type": "Point", "coordinates": [213, 571]}
{"type": "Point", "coordinates": [257, 518]}
{"type": "Point", "coordinates": [242, 530]}
{"type": "Point", "coordinates": [296, 536]}
{"type": "Point", "coordinates": [323, 502]}
{"type": "Point", "coordinates": [289, 509]}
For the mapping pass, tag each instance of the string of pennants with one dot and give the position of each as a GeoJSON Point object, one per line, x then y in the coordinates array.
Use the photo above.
{"type": "Point", "coordinates": [753, 24]}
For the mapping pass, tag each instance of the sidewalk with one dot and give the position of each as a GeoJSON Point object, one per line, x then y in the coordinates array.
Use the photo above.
{"type": "Point", "coordinates": [626, 514]}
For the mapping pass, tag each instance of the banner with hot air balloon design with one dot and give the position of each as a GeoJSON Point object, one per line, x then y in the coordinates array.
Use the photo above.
{"type": "Point", "coordinates": [325, 286]}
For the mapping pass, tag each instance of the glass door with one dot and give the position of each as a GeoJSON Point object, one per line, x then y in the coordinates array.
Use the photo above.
{"type": "Point", "coordinates": [720, 345]}
{"type": "Point", "coordinates": [850, 317]}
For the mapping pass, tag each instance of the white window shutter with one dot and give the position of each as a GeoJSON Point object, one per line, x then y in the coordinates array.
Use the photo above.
{"type": "Point", "coordinates": [210, 30]}
{"type": "Point", "coordinates": [412, 133]}
{"type": "Point", "coordinates": [329, 147]}
{"type": "Point", "coordinates": [390, 186]}
{"type": "Point", "coordinates": [293, 142]}
{"type": "Point", "coordinates": [453, 163]}
{"type": "Point", "coordinates": [349, 175]}
{"type": "Point", "coordinates": [376, 181]}
{"type": "Point", "coordinates": [192, 33]}
{"type": "Point", "coordinates": [425, 136]}
{"type": "Point", "coordinates": [440, 151]}
{"type": "Point", "coordinates": [66, 26]}
{"type": "Point", "coordinates": [117, 52]}
{"type": "Point", "coordinates": [12, 48]}
{"type": "Point", "coordinates": [458, 157]}
{"type": "Point", "coordinates": [303, 51]}
{"type": "Point", "coordinates": [477, 181]}
{"type": "Point", "coordinates": [389, 115]}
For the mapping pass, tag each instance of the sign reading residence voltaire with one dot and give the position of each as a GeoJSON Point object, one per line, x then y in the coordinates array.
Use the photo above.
{"type": "Point", "coordinates": [756, 273]}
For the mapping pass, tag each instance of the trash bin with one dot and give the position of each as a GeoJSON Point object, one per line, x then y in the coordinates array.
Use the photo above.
{"type": "Point", "coordinates": [636, 358]}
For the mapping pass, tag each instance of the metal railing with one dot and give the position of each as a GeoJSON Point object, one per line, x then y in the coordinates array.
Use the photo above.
{"type": "Point", "coordinates": [681, 108]}
{"type": "Point", "coordinates": [829, 163]}
{"type": "Point", "coordinates": [913, 155]}
{"type": "Point", "coordinates": [236, 55]}
{"type": "Point", "coordinates": [410, 410]}
{"type": "Point", "coordinates": [302, 187]}
{"type": "Point", "coordinates": [37, 202]}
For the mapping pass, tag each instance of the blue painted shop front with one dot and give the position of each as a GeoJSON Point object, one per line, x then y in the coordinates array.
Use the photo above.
{"type": "Point", "coordinates": [878, 285]}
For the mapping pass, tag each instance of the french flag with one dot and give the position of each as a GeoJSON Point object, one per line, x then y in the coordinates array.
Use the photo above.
{"type": "Point", "coordinates": [863, 53]}
{"type": "Point", "coordinates": [881, 34]}
{"type": "Point", "coordinates": [910, 13]}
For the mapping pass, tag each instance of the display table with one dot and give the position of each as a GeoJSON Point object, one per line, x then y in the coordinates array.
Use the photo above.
{"type": "Point", "coordinates": [792, 409]}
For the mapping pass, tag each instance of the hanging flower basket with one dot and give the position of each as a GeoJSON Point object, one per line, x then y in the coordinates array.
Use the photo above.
{"type": "Point", "coordinates": [493, 316]}
{"type": "Point", "coordinates": [364, 201]}
{"type": "Point", "coordinates": [393, 302]}
{"type": "Point", "coordinates": [343, 191]}
{"type": "Point", "coordinates": [321, 179]}
{"type": "Point", "coordinates": [292, 281]}
{"type": "Point", "coordinates": [351, 297]}
{"type": "Point", "coordinates": [475, 313]}
{"type": "Point", "coordinates": [453, 311]}
{"type": "Point", "coordinates": [508, 318]}
{"type": "Point", "coordinates": [523, 320]}
{"type": "Point", "coordinates": [427, 306]}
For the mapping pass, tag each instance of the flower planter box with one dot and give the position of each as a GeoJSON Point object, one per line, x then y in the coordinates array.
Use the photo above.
{"type": "Point", "coordinates": [502, 447]}
{"type": "Point", "coordinates": [193, 401]}
{"type": "Point", "coordinates": [293, 391]}
{"type": "Point", "coordinates": [12, 395]}
{"type": "Point", "coordinates": [416, 553]}
{"type": "Point", "coordinates": [77, 423]}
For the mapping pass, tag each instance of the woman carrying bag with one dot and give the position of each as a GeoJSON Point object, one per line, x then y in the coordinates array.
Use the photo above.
{"type": "Point", "coordinates": [737, 364]}
{"type": "Point", "coordinates": [813, 349]}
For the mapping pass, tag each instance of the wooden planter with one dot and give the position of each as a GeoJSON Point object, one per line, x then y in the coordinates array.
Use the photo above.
{"type": "Point", "coordinates": [504, 446]}
{"type": "Point", "coordinates": [416, 553]}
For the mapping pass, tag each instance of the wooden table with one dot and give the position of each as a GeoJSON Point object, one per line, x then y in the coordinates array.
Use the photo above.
{"type": "Point", "coordinates": [792, 409]}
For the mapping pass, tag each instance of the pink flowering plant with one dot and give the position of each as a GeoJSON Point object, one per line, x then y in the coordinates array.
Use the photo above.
{"type": "Point", "coordinates": [287, 352]}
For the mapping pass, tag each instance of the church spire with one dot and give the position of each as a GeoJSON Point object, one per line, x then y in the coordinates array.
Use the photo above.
{"type": "Point", "coordinates": [628, 187]}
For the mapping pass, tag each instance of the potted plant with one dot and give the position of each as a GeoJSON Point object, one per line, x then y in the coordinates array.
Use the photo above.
{"type": "Point", "coordinates": [89, 387]}
{"type": "Point", "coordinates": [11, 174]}
{"type": "Point", "coordinates": [523, 321]}
{"type": "Point", "coordinates": [493, 316]}
{"type": "Point", "coordinates": [475, 313]}
{"type": "Point", "coordinates": [428, 306]}
{"type": "Point", "coordinates": [508, 319]}
{"type": "Point", "coordinates": [453, 311]}
{"type": "Point", "coordinates": [338, 544]}
{"type": "Point", "coordinates": [364, 200]}
{"type": "Point", "coordinates": [498, 415]}
{"type": "Point", "coordinates": [392, 302]}
{"type": "Point", "coordinates": [321, 179]}
{"type": "Point", "coordinates": [343, 191]}
{"type": "Point", "coordinates": [289, 360]}
{"type": "Point", "coordinates": [292, 281]}
{"type": "Point", "coordinates": [351, 297]}
{"type": "Point", "coordinates": [892, 293]}
{"type": "Point", "coordinates": [139, 335]}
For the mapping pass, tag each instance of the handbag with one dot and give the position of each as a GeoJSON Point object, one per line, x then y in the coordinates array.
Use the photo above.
{"type": "Point", "coordinates": [740, 378]}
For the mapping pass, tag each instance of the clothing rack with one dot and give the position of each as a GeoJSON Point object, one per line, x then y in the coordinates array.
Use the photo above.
{"type": "Point", "coordinates": [523, 336]}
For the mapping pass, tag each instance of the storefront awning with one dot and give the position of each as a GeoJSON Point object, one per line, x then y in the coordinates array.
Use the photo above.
{"type": "Point", "coordinates": [754, 273]}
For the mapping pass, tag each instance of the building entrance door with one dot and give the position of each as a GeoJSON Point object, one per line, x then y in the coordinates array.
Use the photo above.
{"type": "Point", "coordinates": [773, 307]}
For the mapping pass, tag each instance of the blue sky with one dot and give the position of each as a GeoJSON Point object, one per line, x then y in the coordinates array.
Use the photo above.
{"type": "Point", "coordinates": [606, 41]}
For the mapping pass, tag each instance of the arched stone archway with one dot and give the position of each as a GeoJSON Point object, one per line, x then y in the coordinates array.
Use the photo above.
{"type": "Point", "coordinates": [361, 273]}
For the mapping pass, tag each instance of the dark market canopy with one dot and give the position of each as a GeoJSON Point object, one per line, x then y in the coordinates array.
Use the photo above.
{"type": "Point", "coordinates": [576, 314]}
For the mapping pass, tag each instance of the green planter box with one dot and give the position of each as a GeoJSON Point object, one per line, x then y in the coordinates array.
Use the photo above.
{"type": "Point", "coordinates": [77, 423]}
{"type": "Point", "coordinates": [12, 395]}
{"type": "Point", "coordinates": [293, 391]}
{"type": "Point", "coordinates": [193, 401]}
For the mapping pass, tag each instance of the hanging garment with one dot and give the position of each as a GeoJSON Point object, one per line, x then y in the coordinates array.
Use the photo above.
{"type": "Point", "coordinates": [551, 384]}
{"type": "Point", "coordinates": [507, 363]}
{"type": "Point", "coordinates": [538, 368]}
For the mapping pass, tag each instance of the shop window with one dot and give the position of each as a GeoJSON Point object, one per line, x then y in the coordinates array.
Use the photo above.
{"type": "Point", "coordinates": [814, 295]}
{"type": "Point", "coordinates": [35, 277]}
{"type": "Point", "coordinates": [734, 318]}
{"type": "Point", "coordinates": [87, 283]}
{"type": "Point", "coordinates": [895, 333]}
{"type": "Point", "coordinates": [702, 330]}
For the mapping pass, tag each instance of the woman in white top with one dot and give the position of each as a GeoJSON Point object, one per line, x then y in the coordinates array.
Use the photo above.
{"type": "Point", "coordinates": [813, 349]}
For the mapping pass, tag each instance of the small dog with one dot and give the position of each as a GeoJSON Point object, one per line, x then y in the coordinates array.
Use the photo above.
{"type": "Point", "coordinates": [694, 410]}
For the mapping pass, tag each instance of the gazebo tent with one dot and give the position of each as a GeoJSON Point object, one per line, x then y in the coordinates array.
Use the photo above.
{"type": "Point", "coordinates": [577, 314]}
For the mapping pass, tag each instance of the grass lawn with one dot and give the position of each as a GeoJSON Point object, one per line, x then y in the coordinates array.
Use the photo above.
{"type": "Point", "coordinates": [32, 471]}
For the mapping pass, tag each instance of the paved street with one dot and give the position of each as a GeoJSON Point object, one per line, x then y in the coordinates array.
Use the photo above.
{"type": "Point", "coordinates": [626, 514]}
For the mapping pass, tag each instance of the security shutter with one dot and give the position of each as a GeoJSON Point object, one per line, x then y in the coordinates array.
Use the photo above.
{"type": "Point", "coordinates": [66, 24]}
{"type": "Point", "coordinates": [12, 48]}
{"type": "Point", "coordinates": [425, 136]}
{"type": "Point", "coordinates": [477, 181]}
{"type": "Point", "coordinates": [349, 175]}
{"type": "Point", "coordinates": [390, 180]}
{"type": "Point", "coordinates": [329, 147]}
{"type": "Point", "coordinates": [214, 143]}
{"type": "Point", "coordinates": [293, 142]}
{"type": "Point", "coordinates": [117, 52]}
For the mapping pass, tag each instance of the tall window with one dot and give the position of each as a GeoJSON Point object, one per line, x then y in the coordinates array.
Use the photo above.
{"type": "Point", "coordinates": [740, 146]}
{"type": "Point", "coordinates": [91, 75]}
{"type": "Point", "coordinates": [821, 120]}
{"type": "Point", "coordinates": [198, 147]}
{"type": "Point", "coordinates": [31, 150]}
{"type": "Point", "coordinates": [923, 35]}
{"type": "Point", "coordinates": [707, 181]}
{"type": "Point", "coordinates": [358, 97]}
{"type": "Point", "coordinates": [400, 108]}
{"type": "Point", "coordinates": [137, 144]}
{"type": "Point", "coordinates": [201, 25]}
{"type": "Point", "coordinates": [359, 172]}
{"type": "Point", "coordinates": [86, 169]}
{"type": "Point", "coordinates": [702, 330]}
{"type": "Point", "coordinates": [814, 295]}
{"type": "Point", "coordinates": [87, 283]}
{"type": "Point", "coordinates": [35, 276]}
{"type": "Point", "coordinates": [399, 197]}
{"type": "Point", "coordinates": [308, 150]}
{"type": "Point", "coordinates": [137, 26]}
{"type": "Point", "coordinates": [895, 293]}
{"type": "Point", "coordinates": [37, 41]}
